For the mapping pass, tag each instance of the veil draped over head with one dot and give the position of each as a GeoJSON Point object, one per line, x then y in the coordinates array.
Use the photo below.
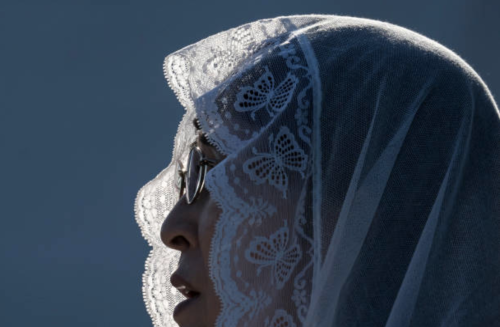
{"type": "Point", "coordinates": [361, 184]}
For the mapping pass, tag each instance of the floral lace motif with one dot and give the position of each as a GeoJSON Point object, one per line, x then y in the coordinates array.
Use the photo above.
{"type": "Point", "coordinates": [270, 167]}
{"type": "Point", "coordinates": [281, 318]}
{"type": "Point", "coordinates": [263, 94]}
{"type": "Point", "coordinates": [273, 252]}
{"type": "Point", "coordinates": [225, 59]}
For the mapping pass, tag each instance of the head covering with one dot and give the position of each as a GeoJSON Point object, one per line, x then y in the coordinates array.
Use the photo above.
{"type": "Point", "coordinates": [361, 184]}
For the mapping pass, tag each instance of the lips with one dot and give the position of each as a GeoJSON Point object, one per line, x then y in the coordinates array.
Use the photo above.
{"type": "Point", "coordinates": [183, 286]}
{"type": "Point", "coordinates": [186, 289]}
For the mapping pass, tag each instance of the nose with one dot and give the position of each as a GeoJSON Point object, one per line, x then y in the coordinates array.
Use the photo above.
{"type": "Point", "coordinates": [179, 230]}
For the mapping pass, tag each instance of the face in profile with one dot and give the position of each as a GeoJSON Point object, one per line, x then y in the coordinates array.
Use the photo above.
{"type": "Point", "coordinates": [189, 228]}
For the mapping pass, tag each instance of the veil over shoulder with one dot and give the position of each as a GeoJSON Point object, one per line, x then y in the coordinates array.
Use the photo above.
{"type": "Point", "coordinates": [361, 185]}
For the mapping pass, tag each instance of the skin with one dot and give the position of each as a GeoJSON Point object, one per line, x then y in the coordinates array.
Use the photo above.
{"type": "Point", "coordinates": [189, 229]}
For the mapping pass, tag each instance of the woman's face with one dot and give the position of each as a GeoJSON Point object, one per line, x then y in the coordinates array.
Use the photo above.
{"type": "Point", "coordinates": [189, 228]}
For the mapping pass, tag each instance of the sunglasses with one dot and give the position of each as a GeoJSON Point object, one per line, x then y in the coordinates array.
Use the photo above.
{"type": "Point", "coordinates": [192, 180]}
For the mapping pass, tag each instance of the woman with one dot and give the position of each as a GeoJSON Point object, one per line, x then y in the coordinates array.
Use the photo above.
{"type": "Point", "coordinates": [340, 172]}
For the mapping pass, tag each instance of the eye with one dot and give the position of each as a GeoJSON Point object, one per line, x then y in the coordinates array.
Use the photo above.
{"type": "Point", "coordinates": [209, 153]}
{"type": "Point", "coordinates": [180, 174]}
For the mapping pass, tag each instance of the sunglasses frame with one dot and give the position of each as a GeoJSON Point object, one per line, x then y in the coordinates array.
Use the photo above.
{"type": "Point", "coordinates": [182, 182]}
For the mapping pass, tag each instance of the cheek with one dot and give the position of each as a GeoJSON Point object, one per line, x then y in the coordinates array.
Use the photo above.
{"type": "Point", "coordinates": [206, 230]}
{"type": "Point", "coordinates": [206, 226]}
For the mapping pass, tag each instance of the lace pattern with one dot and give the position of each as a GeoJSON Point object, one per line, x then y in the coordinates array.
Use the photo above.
{"type": "Point", "coordinates": [324, 122]}
{"type": "Point", "coordinates": [271, 167]}
{"type": "Point", "coordinates": [253, 73]}
{"type": "Point", "coordinates": [243, 250]}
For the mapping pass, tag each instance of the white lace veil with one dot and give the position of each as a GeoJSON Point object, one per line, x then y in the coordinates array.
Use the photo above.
{"type": "Point", "coordinates": [361, 185]}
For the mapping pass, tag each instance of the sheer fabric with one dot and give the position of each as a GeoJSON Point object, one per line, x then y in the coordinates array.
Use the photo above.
{"type": "Point", "coordinates": [361, 185]}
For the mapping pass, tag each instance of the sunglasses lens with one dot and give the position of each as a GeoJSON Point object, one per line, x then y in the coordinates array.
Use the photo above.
{"type": "Point", "coordinates": [193, 175]}
{"type": "Point", "coordinates": [179, 183]}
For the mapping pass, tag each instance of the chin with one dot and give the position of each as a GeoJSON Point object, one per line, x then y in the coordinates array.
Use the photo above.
{"type": "Point", "coordinates": [192, 312]}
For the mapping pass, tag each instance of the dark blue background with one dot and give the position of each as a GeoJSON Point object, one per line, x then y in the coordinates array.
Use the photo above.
{"type": "Point", "coordinates": [86, 119]}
